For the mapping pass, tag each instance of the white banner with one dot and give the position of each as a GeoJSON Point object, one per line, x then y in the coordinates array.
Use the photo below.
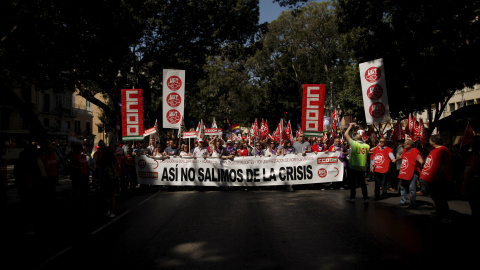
{"type": "Point", "coordinates": [290, 169]}
{"type": "Point", "coordinates": [189, 135]}
{"type": "Point", "coordinates": [374, 89]}
{"type": "Point", "coordinates": [213, 131]}
{"type": "Point", "coordinates": [173, 97]}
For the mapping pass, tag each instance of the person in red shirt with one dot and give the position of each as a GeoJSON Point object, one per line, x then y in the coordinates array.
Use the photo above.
{"type": "Point", "coordinates": [318, 146]}
{"type": "Point", "coordinates": [79, 174]}
{"type": "Point", "coordinates": [3, 175]}
{"type": "Point", "coordinates": [437, 172]}
{"type": "Point", "coordinates": [382, 157]}
{"type": "Point", "coordinates": [131, 175]}
{"type": "Point", "coordinates": [49, 170]}
{"type": "Point", "coordinates": [471, 179]}
{"type": "Point", "coordinates": [411, 162]}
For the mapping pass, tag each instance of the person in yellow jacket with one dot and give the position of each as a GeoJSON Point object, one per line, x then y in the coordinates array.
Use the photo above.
{"type": "Point", "coordinates": [357, 165]}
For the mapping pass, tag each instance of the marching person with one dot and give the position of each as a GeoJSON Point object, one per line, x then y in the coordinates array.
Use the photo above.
{"type": "Point", "coordinates": [270, 151]}
{"type": "Point", "coordinates": [49, 170]}
{"type": "Point", "coordinates": [357, 163]}
{"type": "Point", "coordinates": [408, 175]}
{"type": "Point", "coordinates": [287, 148]}
{"type": "Point", "coordinates": [437, 172]}
{"type": "Point", "coordinates": [382, 157]}
{"type": "Point", "coordinates": [243, 150]}
{"type": "Point", "coordinates": [200, 150]}
{"type": "Point", "coordinates": [339, 147]}
{"type": "Point", "coordinates": [221, 152]}
{"type": "Point", "coordinates": [257, 151]}
{"type": "Point", "coordinates": [109, 179]}
{"type": "Point", "coordinates": [302, 146]}
{"type": "Point", "coordinates": [79, 174]}
{"type": "Point", "coordinates": [318, 146]}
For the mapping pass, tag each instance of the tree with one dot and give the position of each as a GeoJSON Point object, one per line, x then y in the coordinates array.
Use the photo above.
{"type": "Point", "coordinates": [84, 45]}
{"type": "Point", "coordinates": [61, 45]}
{"type": "Point", "coordinates": [301, 47]}
{"type": "Point", "coordinates": [189, 35]}
{"type": "Point", "coordinates": [427, 48]}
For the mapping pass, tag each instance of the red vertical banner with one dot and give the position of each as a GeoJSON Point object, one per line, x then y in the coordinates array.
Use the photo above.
{"type": "Point", "coordinates": [313, 109]}
{"type": "Point", "coordinates": [132, 114]}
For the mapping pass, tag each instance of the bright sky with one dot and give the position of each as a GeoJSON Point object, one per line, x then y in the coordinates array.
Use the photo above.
{"type": "Point", "coordinates": [269, 11]}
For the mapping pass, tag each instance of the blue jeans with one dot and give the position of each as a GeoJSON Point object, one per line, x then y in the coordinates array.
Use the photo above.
{"type": "Point", "coordinates": [412, 187]}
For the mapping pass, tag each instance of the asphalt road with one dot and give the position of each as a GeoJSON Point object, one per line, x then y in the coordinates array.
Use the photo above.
{"type": "Point", "coordinates": [254, 229]}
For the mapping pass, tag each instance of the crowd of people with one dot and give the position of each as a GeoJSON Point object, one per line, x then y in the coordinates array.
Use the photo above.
{"type": "Point", "coordinates": [404, 167]}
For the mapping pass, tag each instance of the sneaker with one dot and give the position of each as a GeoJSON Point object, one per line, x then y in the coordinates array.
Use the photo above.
{"type": "Point", "coordinates": [351, 200]}
{"type": "Point", "coordinates": [366, 201]}
{"type": "Point", "coordinates": [112, 215]}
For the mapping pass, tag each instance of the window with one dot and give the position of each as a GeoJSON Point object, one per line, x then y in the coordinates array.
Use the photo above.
{"type": "Point", "coordinates": [87, 105]}
{"type": "Point", "coordinates": [459, 105]}
{"type": "Point", "coordinates": [451, 107]}
{"type": "Point", "coordinates": [470, 102]}
{"type": "Point", "coordinates": [77, 127]}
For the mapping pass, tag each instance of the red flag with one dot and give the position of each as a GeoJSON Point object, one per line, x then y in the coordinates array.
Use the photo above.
{"type": "Point", "coordinates": [334, 120]}
{"type": "Point", "coordinates": [423, 134]}
{"type": "Point", "coordinates": [417, 130]}
{"type": "Point", "coordinates": [397, 133]}
{"type": "Point", "coordinates": [412, 124]}
{"type": "Point", "coordinates": [407, 125]}
{"type": "Point", "coordinates": [467, 136]}
{"type": "Point", "coordinates": [267, 131]}
{"type": "Point", "coordinates": [256, 132]}
{"type": "Point", "coordinates": [288, 132]}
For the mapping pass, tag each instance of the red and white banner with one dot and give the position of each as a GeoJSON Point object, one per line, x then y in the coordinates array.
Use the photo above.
{"type": "Point", "coordinates": [132, 114]}
{"type": "Point", "coordinates": [374, 89]}
{"type": "Point", "coordinates": [189, 135]}
{"type": "Point", "coordinates": [213, 131]}
{"type": "Point", "coordinates": [313, 109]}
{"type": "Point", "coordinates": [173, 97]}
{"type": "Point", "coordinates": [275, 170]}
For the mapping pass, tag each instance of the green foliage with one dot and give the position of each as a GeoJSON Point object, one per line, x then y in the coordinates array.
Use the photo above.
{"type": "Point", "coordinates": [303, 46]}
{"type": "Point", "coordinates": [428, 47]}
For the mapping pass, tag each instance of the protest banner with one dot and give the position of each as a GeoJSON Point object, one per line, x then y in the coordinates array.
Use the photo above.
{"type": "Point", "coordinates": [290, 169]}
{"type": "Point", "coordinates": [132, 114]}
{"type": "Point", "coordinates": [213, 131]}
{"type": "Point", "coordinates": [189, 135]}
{"type": "Point", "coordinates": [173, 97]}
{"type": "Point", "coordinates": [374, 89]}
{"type": "Point", "coordinates": [313, 109]}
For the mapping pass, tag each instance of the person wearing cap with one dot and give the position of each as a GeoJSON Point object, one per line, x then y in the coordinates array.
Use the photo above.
{"type": "Point", "coordinates": [200, 150]}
